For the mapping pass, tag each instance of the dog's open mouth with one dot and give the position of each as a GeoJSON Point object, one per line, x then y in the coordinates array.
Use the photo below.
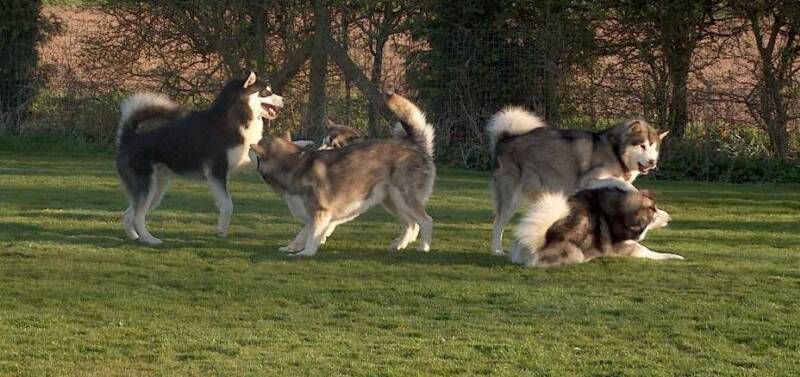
{"type": "Point", "coordinates": [645, 169]}
{"type": "Point", "coordinates": [268, 111]}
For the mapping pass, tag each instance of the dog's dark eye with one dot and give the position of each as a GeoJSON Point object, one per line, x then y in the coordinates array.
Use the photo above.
{"type": "Point", "coordinates": [643, 146]}
{"type": "Point", "coordinates": [266, 92]}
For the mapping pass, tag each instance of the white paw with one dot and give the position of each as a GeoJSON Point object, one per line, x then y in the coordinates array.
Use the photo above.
{"type": "Point", "coordinates": [221, 234]}
{"type": "Point", "coordinates": [288, 249]}
{"type": "Point", "coordinates": [131, 233]}
{"type": "Point", "coordinates": [424, 248]}
{"type": "Point", "coordinates": [499, 253]}
{"type": "Point", "coordinates": [130, 229]}
{"type": "Point", "coordinates": [150, 241]}
{"type": "Point", "coordinates": [396, 245]}
{"type": "Point", "coordinates": [300, 255]}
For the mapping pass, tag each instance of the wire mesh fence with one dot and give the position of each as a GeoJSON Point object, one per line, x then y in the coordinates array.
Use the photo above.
{"type": "Point", "coordinates": [67, 77]}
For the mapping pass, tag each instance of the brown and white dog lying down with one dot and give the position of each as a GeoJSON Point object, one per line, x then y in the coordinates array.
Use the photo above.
{"type": "Point", "coordinates": [325, 188]}
{"type": "Point", "coordinates": [602, 222]}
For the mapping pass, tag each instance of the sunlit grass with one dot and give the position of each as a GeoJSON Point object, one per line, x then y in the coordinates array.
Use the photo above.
{"type": "Point", "coordinates": [77, 298]}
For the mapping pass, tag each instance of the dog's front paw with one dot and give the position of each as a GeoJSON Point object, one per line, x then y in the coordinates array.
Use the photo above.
{"type": "Point", "coordinates": [674, 256]}
{"type": "Point", "coordinates": [300, 254]}
{"type": "Point", "coordinates": [221, 234]}
{"type": "Point", "coordinates": [289, 249]}
{"type": "Point", "coordinates": [397, 245]}
{"type": "Point", "coordinates": [498, 253]}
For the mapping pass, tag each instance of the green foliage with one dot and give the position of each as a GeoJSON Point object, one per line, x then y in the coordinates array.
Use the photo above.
{"type": "Point", "coordinates": [79, 299]}
{"type": "Point", "coordinates": [485, 55]}
{"type": "Point", "coordinates": [85, 117]}
{"type": "Point", "coordinates": [725, 154]}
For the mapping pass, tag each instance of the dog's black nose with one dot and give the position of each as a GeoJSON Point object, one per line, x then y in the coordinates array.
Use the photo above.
{"type": "Point", "coordinates": [651, 163]}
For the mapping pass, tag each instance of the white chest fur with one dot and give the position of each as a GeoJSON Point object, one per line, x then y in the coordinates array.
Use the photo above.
{"type": "Point", "coordinates": [237, 156]}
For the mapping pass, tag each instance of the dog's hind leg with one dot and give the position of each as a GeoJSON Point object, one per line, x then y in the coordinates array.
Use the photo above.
{"type": "Point", "coordinates": [331, 227]}
{"type": "Point", "coordinates": [506, 201]}
{"type": "Point", "coordinates": [162, 179]}
{"type": "Point", "coordinates": [414, 209]}
{"type": "Point", "coordinates": [317, 228]}
{"type": "Point", "coordinates": [141, 205]}
{"type": "Point", "coordinates": [410, 227]}
{"type": "Point", "coordinates": [127, 223]}
{"type": "Point", "coordinates": [128, 181]}
{"type": "Point", "coordinates": [223, 201]}
{"type": "Point", "coordinates": [561, 254]}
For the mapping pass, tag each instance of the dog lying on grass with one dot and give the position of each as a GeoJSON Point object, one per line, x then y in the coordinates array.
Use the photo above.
{"type": "Point", "coordinates": [594, 223]}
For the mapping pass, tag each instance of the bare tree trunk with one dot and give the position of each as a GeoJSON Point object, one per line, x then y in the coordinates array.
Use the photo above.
{"type": "Point", "coordinates": [358, 78]}
{"type": "Point", "coordinates": [348, 90]}
{"type": "Point", "coordinates": [678, 110]}
{"type": "Point", "coordinates": [377, 80]}
{"type": "Point", "coordinates": [772, 106]}
{"type": "Point", "coordinates": [293, 63]}
{"type": "Point", "coordinates": [259, 39]}
{"type": "Point", "coordinates": [773, 112]}
{"type": "Point", "coordinates": [319, 68]}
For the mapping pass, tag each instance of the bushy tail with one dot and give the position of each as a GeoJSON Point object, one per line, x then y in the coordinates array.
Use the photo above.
{"type": "Point", "coordinates": [532, 229]}
{"type": "Point", "coordinates": [141, 107]}
{"type": "Point", "coordinates": [412, 119]}
{"type": "Point", "coordinates": [511, 121]}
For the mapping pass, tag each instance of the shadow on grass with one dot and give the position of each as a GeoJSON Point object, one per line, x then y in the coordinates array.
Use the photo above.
{"type": "Point", "coordinates": [211, 247]}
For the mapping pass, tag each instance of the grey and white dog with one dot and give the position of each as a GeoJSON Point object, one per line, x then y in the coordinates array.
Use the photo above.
{"type": "Point", "coordinates": [325, 188]}
{"type": "Point", "coordinates": [531, 158]}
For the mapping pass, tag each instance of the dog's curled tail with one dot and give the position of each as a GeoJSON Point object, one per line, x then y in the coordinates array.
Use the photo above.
{"type": "Point", "coordinates": [141, 107]}
{"type": "Point", "coordinates": [511, 121]}
{"type": "Point", "coordinates": [531, 232]}
{"type": "Point", "coordinates": [412, 119]}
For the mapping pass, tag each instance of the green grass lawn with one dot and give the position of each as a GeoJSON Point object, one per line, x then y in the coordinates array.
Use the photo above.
{"type": "Point", "coordinates": [78, 298]}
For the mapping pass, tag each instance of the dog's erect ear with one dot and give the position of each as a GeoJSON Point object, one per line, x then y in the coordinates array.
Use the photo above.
{"type": "Point", "coordinates": [662, 134]}
{"type": "Point", "coordinates": [258, 149]}
{"type": "Point", "coordinates": [250, 80]}
{"type": "Point", "coordinates": [287, 136]}
{"type": "Point", "coordinates": [329, 123]}
{"type": "Point", "coordinates": [634, 126]}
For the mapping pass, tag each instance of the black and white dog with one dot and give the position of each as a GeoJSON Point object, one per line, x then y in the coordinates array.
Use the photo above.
{"type": "Point", "coordinates": [205, 144]}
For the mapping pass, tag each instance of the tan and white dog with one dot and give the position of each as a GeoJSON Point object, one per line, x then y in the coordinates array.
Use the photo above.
{"type": "Point", "coordinates": [325, 188]}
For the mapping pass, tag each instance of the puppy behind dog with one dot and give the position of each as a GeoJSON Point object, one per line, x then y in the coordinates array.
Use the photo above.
{"type": "Point", "coordinates": [324, 188]}
{"type": "Point", "coordinates": [591, 224]}
{"type": "Point", "coordinates": [338, 136]}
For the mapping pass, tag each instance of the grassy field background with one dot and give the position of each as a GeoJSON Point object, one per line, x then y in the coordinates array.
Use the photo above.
{"type": "Point", "coordinates": [78, 298]}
